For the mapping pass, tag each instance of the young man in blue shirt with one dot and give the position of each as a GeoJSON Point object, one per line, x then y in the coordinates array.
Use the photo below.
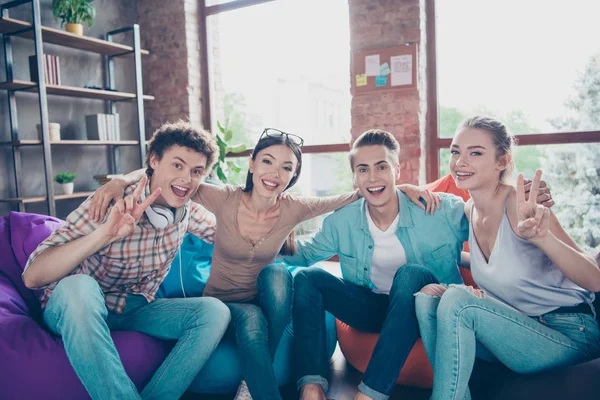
{"type": "Point", "coordinates": [389, 249]}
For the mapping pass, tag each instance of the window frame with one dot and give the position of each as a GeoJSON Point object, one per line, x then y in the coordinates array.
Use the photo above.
{"type": "Point", "coordinates": [433, 143]}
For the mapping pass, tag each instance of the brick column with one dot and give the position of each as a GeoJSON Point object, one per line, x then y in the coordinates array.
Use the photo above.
{"type": "Point", "coordinates": [169, 30]}
{"type": "Point", "coordinates": [386, 23]}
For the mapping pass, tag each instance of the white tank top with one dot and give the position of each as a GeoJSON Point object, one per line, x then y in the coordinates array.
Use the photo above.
{"type": "Point", "coordinates": [520, 274]}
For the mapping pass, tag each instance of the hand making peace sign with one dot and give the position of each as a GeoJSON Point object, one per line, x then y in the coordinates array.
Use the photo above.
{"type": "Point", "coordinates": [534, 219]}
{"type": "Point", "coordinates": [126, 212]}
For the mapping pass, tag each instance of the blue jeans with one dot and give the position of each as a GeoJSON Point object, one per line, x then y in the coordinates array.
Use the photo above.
{"type": "Point", "coordinates": [257, 328]}
{"type": "Point", "coordinates": [393, 316]}
{"type": "Point", "coordinates": [463, 326]}
{"type": "Point", "coordinates": [77, 312]}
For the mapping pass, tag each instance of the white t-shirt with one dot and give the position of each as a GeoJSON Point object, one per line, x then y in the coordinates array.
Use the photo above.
{"type": "Point", "coordinates": [388, 255]}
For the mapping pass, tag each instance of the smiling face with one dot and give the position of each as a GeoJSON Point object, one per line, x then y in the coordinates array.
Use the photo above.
{"type": "Point", "coordinates": [473, 160]}
{"type": "Point", "coordinates": [272, 170]}
{"type": "Point", "coordinates": [178, 173]}
{"type": "Point", "coordinates": [376, 171]}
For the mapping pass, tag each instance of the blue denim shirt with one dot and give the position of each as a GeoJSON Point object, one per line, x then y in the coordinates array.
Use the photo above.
{"type": "Point", "coordinates": [433, 241]}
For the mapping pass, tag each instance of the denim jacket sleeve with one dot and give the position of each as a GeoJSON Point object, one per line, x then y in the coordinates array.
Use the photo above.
{"type": "Point", "coordinates": [322, 246]}
{"type": "Point", "coordinates": [455, 215]}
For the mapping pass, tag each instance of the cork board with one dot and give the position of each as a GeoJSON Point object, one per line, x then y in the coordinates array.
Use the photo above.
{"type": "Point", "coordinates": [387, 69]}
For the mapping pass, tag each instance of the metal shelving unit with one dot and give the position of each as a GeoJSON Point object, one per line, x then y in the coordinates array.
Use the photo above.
{"type": "Point", "coordinates": [10, 27]}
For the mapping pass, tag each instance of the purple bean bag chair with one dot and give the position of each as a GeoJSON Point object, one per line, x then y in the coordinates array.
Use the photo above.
{"type": "Point", "coordinates": [33, 363]}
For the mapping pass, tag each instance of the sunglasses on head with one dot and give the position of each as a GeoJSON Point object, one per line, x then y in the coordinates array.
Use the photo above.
{"type": "Point", "coordinates": [276, 133]}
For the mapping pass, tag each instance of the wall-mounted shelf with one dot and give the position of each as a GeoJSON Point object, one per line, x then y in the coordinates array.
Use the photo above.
{"type": "Point", "coordinates": [24, 29]}
{"type": "Point", "coordinates": [72, 143]}
{"type": "Point", "coordinates": [39, 199]}
{"type": "Point", "coordinates": [71, 91]}
{"type": "Point", "coordinates": [39, 34]}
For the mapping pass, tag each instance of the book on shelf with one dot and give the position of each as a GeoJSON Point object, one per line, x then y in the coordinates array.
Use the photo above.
{"type": "Point", "coordinates": [56, 70]}
{"type": "Point", "coordinates": [51, 69]}
{"type": "Point", "coordinates": [93, 124]}
{"type": "Point", "coordinates": [103, 127]}
{"type": "Point", "coordinates": [47, 70]}
{"type": "Point", "coordinates": [109, 127]}
{"type": "Point", "coordinates": [117, 126]}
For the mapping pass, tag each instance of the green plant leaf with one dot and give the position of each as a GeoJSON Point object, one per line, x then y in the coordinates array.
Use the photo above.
{"type": "Point", "coordinates": [228, 135]}
{"type": "Point", "coordinates": [222, 148]}
{"type": "Point", "coordinates": [238, 148]}
{"type": "Point", "coordinates": [221, 174]}
{"type": "Point", "coordinates": [74, 11]}
{"type": "Point", "coordinates": [65, 177]}
{"type": "Point", "coordinates": [220, 127]}
{"type": "Point", "coordinates": [234, 167]}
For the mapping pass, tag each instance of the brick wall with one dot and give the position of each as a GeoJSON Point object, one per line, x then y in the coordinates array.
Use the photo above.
{"type": "Point", "coordinates": [172, 71]}
{"type": "Point", "coordinates": [380, 24]}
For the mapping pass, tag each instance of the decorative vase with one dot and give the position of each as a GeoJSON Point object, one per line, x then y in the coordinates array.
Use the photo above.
{"type": "Point", "coordinates": [76, 29]}
{"type": "Point", "coordinates": [67, 188]}
{"type": "Point", "coordinates": [53, 131]}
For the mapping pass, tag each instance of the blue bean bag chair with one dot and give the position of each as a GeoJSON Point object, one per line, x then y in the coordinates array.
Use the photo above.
{"type": "Point", "coordinates": [223, 372]}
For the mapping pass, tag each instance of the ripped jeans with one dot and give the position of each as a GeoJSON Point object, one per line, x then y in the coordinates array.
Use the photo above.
{"type": "Point", "coordinates": [459, 326]}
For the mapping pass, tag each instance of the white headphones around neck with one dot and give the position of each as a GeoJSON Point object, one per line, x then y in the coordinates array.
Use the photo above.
{"type": "Point", "coordinates": [160, 216]}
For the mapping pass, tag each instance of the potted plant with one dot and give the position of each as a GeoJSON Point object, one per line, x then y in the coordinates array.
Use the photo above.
{"type": "Point", "coordinates": [66, 180]}
{"type": "Point", "coordinates": [73, 13]}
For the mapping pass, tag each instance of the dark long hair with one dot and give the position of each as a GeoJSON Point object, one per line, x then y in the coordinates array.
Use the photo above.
{"type": "Point", "coordinates": [289, 247]}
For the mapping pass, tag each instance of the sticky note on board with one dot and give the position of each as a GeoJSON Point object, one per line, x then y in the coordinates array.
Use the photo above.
{"type": "Point", "coordinates": [361, 80]}
{"type": "Point", "coordinates": [384, 69]}
{"type": "Point", "coordinates": [380, 80]}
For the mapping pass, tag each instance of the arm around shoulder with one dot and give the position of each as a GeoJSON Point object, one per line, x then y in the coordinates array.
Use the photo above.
{"type": "Point", "coordinates": [212, 196]}
{"type": "Point", "coordinates": [111, 191]}
{"type": "Point", "coordinates": [322, 246]}
{"type": "Point", "coordinates": [311, 207]}
{"type": "Point", "coordinates": [202, 223]}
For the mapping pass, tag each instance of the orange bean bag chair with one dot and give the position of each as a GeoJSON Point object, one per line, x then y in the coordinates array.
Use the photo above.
{"type": "Point", "coordinates": [358, 346]}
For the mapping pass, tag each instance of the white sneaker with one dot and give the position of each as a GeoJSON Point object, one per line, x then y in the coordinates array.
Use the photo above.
{"type": "Point", "coordinates": [243, 393]}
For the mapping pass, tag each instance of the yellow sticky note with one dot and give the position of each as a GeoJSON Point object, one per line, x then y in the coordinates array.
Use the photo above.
{"type": "Point", "coordinates": [361, 80]}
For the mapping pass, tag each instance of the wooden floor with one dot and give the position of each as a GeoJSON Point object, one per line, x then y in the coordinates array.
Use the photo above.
{"type": "Point", "coordinates": [343, 385]}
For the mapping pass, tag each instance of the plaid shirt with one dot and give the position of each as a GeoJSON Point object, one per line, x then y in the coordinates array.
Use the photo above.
{"type": "Point", "coordinates": [136, 264]}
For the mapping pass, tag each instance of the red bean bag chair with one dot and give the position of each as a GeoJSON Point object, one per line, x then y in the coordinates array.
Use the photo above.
{"type": "Point", "coordinates": [358, 346]}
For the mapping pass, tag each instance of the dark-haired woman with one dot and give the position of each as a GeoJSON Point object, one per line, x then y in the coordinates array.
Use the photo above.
{"type": "Point", "coordinates": [255, 223]}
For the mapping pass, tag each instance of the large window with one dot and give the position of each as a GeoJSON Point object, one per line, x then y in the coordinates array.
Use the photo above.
{"type": "Point", "coordinates": [270, 67]}
{"type": "Point", "coordinates": [529, 64]}
{"type": "Point", "coordinates": [535, 66]}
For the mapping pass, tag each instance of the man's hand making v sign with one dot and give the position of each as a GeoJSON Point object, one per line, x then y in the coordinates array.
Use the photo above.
{"type": "Point", "coordinates": [126, 213]}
